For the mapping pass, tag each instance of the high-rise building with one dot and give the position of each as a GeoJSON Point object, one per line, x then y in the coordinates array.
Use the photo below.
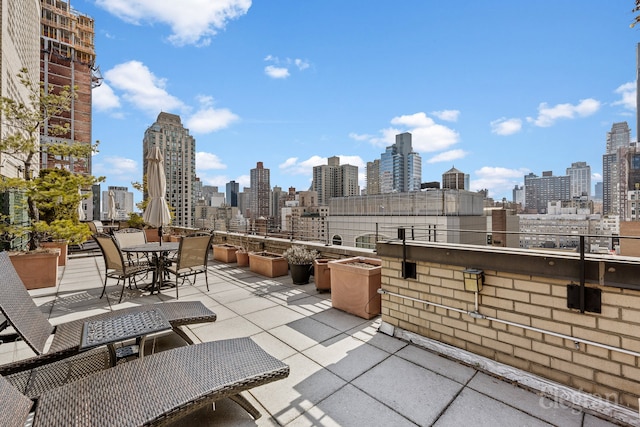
{"type": "Point", "coordinates": [260, 188]}
{"type": "Point", "coordinates": [19, 49]}
{"type": "Point", "coordinates": [233, 188]}
{"type": "Point", "coordinates": [580, 174]}
{"type": "Point", "coordinates": [373, 177]}
{"type": "Point", "coordinates": [179, 150]}
{"type": "Point", "coordinates": [67, 58]}
{"type": "Point", "coordinates": [618, 138]}
{"type": "Point", "coordinates": [453, 179]}
{"type": "Point", "coordinates": [400, 167]}
{"type": "Point", "coordinates": [539, 191]}
{"type": "Point", "coordinates": [334, 180]}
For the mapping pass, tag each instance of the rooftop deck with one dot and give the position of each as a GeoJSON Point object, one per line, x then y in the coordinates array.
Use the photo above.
{"type": "Point", "coordinates": [343, 371]}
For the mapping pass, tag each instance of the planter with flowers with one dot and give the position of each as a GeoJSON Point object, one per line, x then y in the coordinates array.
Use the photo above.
{"type": "Point", "coordinates": [300, 261]}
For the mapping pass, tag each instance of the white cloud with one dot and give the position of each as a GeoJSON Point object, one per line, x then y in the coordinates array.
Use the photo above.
{"type": "Point", "coordinates": [427, 135]}
{"type": "Point", "coordinates": [301, 64]}
{"type": "Point", "coordinates": [142, 88]}
{"type": "Point", "coordinates": [117, 168]}
{"type": "Point", "coordinates": [103, 98]}
{"type": "Point", "coordinates": [191, 21]}
{"type": "Point", "coordinates": [596, 176]}
{"type": "Point", "coordinates": [146, 92]}
{"type": "Point", "coordinates": [276, 72]}
{"type": "Point", "coordinates": [209, 119]}
{"type": "Point", "coordinates": [547, 116]}
{"type": "Point", "coordinates": [293, 165]}
{"type": "Point", "coordinates": [499, 181]}
{"type": "Point", "coordinates": [447, 115]}
{"type": "Point", "coordinates": [358, 137]}
{"type": "Point", "coordinates": [504, 126]}
{"type": "Point", "coordinates": [627, 92]}
{"type": "Point", "coordinates": [448, 156]}
{"type": "Point", "coordinates": [207, 161]}
{"type": "Point", "coordinates": [279, 69]}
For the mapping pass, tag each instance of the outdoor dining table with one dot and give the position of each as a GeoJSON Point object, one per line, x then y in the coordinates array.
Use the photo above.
{"type": "Point", "coordinates": [115, 329]}
{"type": "Point", "coordinates": [159, 252]}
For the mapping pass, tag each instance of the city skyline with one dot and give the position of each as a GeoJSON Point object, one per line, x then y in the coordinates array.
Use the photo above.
{"type": "Point", "coordinates": [483, 88]}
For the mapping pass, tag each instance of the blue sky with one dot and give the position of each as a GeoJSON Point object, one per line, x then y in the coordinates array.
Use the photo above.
{"type": "Point", "coordinates": [496, 88]}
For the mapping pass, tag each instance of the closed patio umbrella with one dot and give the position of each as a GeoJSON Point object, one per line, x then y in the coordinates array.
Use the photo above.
{"type": "Point", "coordinates": [112, 205]}
{"type": "Point", "coordinates": [157, 212]}
{"type": "Point", "coordinates": [81, 215]}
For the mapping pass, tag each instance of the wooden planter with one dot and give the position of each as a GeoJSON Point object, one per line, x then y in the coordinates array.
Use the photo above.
{"type": "Point", "coordinates": [322, 274]}
{"type": "Point", "coordinates": [225, 253]}
{"type": "Point", "coordinates": [268, 264]}
{"type": "Point", "coordinates": [37, 269]}
{"type": "Point", "coordinates": [354, 285]}
{"type": "Point", "coordinates": [64, 250]}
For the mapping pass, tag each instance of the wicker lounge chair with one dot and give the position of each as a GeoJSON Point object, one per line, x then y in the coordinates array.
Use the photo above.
{"type": "Point", "coordinates": [31, 325]}
{"type": "Point", "coordinates": [155, 390]}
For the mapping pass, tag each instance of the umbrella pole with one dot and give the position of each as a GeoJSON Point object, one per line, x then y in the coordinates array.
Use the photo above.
{"type": "Point", "coordinates": [160, 234]}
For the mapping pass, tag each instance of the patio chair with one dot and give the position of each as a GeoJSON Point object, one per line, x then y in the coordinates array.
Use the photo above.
{"type": "Point", "coordinates": [157, 389]}
{"type": "Point", "coordinates": [95, 226]}
{"type": "Point", "coordinates": [127, 237]}
{"type": "Point", "coordinates": [115, 265]}
{"type": "Point", "coordinates": [31, 325]}
{"type": "Point", "coordinates": [192, 258]}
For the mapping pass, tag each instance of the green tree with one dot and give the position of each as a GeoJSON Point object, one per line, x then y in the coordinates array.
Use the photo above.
{"type": "Point", "coordinates": [22, 122]}
{"type": "Point", "coordinates": [636, 10]}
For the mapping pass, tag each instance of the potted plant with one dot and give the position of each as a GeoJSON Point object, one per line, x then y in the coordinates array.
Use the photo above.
{"type": "Point", "coordinates": [54, 194]}
{"type": "Point", "coordinates": [268, 264]}
{"type": "Point", "coordinates": [354, 285]}
{"type": "Point", "coordinates": [300, 261]}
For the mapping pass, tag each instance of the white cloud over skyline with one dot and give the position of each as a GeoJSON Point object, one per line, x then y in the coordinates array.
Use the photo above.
{"type": "Point", "coordinates": [192, 22]}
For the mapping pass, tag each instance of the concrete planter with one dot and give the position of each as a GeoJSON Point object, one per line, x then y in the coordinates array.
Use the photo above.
{"type": "Point", "coordinates": [64, 250]}
{"type": "Point", "coordinates": [225, 253]}
{"type": "Point", "coordinates": [354, 285]}
{"type": "Point", "coordinates": [242, 258]}
{"type": "Point", "coordinates": [322, 274]}
{"type": "Point", "coordinates": [268, 264]}
{"type": "Point", "coordinates": [37, 269]}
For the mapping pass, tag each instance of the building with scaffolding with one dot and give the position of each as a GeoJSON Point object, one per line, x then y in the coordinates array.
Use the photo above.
{"type": "Point", "coordinates": [67, 59]}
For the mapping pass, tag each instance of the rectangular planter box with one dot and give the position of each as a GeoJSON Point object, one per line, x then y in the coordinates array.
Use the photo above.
{"type": "Point", "coordinates": [225, 253]}
{"type": "Point", "coordinates": [268, 264]}
{"type": "Point", "coordinates": [354, 285]}
{"type": "Point", "coordinates": [322, 274]}
{"type": "Point", "coordinates": [64, 250]}
{"type": "Point", "coordinates": [37, 269]}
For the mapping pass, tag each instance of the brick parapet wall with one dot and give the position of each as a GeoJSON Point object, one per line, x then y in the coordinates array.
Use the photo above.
{"type": "Point", "coordinates": [257, 243]}
{"type": "Point", "coordinates": [511, 303]}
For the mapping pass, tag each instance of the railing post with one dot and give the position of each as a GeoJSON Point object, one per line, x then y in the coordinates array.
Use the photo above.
{"type": "Point", "coordinates": [582, 273]}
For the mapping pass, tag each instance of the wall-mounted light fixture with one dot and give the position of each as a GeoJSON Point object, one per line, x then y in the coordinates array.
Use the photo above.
{"type": "Point", "coordinates": [473, 279]}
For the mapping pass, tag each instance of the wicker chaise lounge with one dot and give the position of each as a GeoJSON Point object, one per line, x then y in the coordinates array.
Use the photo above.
{"type": "Point", "coordinates": [34, 328]}
{"type": "Point", "coordinates": [155, 390]}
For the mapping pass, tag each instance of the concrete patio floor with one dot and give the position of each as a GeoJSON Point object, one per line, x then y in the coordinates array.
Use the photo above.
{"type": "Point", "coordinates": [343, 371]}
